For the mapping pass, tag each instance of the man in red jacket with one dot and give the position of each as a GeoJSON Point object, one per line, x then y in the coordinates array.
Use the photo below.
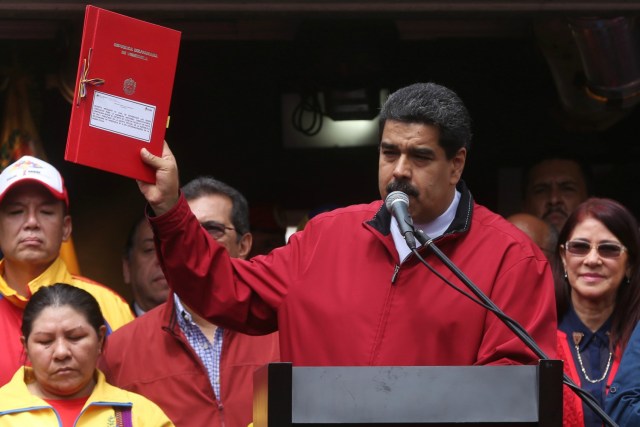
{"type": "Point", "coordinates": [346, 291]}
{"type": "Point", "coordinates": [197, 372]}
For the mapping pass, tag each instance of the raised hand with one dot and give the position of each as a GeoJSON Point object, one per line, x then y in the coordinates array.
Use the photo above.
{"type": "Point", "coordinates": [162, 195]}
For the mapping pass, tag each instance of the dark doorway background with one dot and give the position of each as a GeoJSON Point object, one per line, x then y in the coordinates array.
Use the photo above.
{"type": "Point", "coordinates": [225, 122]}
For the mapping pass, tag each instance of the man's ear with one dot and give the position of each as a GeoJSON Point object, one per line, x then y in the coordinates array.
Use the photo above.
{"type": "Point", "coordinates": [457, 165]}
{"type": "Point", "coordinates": [66, 228]}
{"type": "Point", "coordinates": [244, 246]}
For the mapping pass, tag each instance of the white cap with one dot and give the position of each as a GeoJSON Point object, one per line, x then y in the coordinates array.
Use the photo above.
{"type": "Point", "coordinates": [28, 168]}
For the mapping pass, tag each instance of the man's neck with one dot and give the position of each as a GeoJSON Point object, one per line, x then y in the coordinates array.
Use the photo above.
{"type": "Point", "coordinates": [138, 311]}
{"type": "Point", "coordinates": [18, 275]}
{"type": "Point", "coordinates": [142, 304]}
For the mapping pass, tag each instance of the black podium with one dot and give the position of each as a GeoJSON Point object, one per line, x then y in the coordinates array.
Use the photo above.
{"type": "Point", "coordinates": [408, 395]}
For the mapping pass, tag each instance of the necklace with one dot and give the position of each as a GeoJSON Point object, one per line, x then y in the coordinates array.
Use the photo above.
{"type": "Point", "coordinates": [577, 337]}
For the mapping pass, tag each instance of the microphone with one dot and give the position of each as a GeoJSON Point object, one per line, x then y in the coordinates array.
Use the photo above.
{"type": "Point", "coordinates": [397, 204]}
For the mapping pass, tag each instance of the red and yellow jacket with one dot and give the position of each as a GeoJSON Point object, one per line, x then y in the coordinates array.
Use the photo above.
{"type": "Point", "coordinates": [20, 408]}
{"type": "Point", "coordinates": [114, 308]}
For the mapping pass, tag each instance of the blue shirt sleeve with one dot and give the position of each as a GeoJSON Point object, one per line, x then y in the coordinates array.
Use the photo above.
{"type": "Point", "coordinates": [623, 400]}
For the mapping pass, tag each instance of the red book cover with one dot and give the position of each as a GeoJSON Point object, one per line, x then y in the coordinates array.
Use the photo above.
{"type": "Point", "coordinates": [123, 91]}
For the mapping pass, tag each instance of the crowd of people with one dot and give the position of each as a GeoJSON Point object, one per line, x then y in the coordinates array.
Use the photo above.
{"type": "Point", "coordinates": [208, 368]}
{"type": "Point", "coordinates": [346, 290]}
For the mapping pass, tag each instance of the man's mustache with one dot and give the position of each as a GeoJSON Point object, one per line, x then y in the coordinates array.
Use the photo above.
{"type": "Point", "coordinates": [403, 186]}
{"type": "Point", "coordinates": [554, 209]}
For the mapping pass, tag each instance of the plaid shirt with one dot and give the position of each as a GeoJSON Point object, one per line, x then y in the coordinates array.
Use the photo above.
{"type": "Point", "coordinates": [208, 353]}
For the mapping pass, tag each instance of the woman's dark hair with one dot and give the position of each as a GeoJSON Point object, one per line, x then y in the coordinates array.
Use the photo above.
{"type": "Point", "coordinates": [623, 225]}
{"type": "Point", "coordinates": [59, 295]}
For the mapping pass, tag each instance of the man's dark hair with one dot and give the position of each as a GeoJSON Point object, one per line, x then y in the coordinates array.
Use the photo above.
{"type": "Point", "coordinates": [558, 154]}
{"type": "Point", "coordinates": [435, 105]}
{"type": "Point", "coordinates": [206, 185]}
{"type": "Point", "coordinates": [128, 246]}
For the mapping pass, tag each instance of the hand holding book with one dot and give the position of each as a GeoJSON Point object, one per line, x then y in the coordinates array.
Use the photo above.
{"type": "Point", "coordinates": [162, 195]}
{"type": "Point", "coordinates": [123, 91]}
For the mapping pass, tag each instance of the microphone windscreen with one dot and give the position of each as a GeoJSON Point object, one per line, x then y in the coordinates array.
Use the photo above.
{"type": "Point", "coordinates": [394, 197]}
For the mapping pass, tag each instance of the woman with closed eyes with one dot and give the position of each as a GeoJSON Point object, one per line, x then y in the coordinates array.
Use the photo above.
{"type": "Point", "coordinates": [597, 297]}
{"type": "Point", "coordinates": [63, 337]}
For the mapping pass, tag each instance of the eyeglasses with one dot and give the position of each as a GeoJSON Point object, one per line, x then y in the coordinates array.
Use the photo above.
{"type": "Point", "coordinates": [605, 250]}
{"type": "Point", "coordinates": [216, 229]}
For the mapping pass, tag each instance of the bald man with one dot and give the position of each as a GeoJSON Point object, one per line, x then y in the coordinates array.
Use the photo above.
{"type": "Point", "coordinates": [541, 232]}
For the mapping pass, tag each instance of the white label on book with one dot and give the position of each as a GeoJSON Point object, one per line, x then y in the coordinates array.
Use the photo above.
{"type": "Point", "coordinates": [122, 116]}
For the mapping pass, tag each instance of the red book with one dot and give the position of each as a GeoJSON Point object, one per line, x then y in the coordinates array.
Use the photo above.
{"type": "Point", "coordinates": [123, 91]}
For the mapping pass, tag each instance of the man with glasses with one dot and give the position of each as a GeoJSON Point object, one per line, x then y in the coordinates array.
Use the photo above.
{"type": "Point", "coordinates": [197, 372]}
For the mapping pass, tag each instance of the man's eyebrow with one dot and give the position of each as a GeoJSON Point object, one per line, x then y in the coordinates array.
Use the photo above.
{"type": "Point", "coordinates": [539, 186]}
{"type": "Point", "coordinates": [568, 181]}
{"type": "Point", "coordinates": [211, 223]}
{"type": "Point", "coordinates": [387, 145]}
{"type": "Point", "coordinates": [422, 150]}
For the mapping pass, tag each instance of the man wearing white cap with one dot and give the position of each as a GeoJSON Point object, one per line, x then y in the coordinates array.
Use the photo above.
{"type": "Point", "coordinates": [34, 221]}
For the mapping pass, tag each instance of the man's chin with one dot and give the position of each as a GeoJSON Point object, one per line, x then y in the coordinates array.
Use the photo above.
{"type": "Point", "coordinates": [557, 220]}
{"type": "Point", "coordinates": [35, 256]}
{"type": "Point", "coordinates": [161, 286]}
{"type": "Point", "coordinates": [161, 297]}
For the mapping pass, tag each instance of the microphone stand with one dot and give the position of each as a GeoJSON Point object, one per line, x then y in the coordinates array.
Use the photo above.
{"type": "Point", "coordinates": [516, 328]}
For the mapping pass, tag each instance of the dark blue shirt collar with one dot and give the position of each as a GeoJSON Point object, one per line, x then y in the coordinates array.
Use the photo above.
{"type": "Point", "coordinates": [571, 323]}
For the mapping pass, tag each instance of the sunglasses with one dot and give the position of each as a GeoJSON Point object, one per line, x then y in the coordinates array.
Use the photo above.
{"type": "Point", "coordinates": [215, 229]}
{"type": "Point", "coordinates": [605, 250]}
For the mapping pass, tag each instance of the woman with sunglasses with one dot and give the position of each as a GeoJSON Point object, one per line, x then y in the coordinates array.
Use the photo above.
{"type": "Point", "coordinates": [597, 297]}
